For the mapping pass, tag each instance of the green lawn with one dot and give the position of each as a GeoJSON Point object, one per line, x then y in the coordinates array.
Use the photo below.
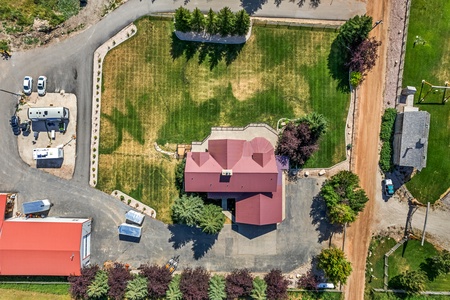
{"type": "Point", "coordinates": [314, 295]}
{"type": "Point", "coordinates": [391, 296]}
{"type": "Point", "coordinates": [430, 20]}
{"type": "Point", "coordinates": [410, 256]}
{"type": "Point", "coordinates": [157, 88]}
{"type": "Point", "coordinates": [54, 289]}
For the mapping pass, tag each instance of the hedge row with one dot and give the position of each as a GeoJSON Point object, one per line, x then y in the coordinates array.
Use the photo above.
{"type": "Point", "coordinates": [387, 136]}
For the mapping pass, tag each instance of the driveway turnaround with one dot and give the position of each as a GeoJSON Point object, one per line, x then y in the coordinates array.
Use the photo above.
{"type": "Point", "coordinates": [68, 67]}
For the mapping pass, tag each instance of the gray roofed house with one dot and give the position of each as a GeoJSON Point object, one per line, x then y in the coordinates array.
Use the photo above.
{"type": "Point", "coordinates": [411, 139]}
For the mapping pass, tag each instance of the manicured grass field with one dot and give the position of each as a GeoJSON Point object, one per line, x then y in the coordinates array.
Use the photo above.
{"type": "Point", "coordinates": [34, 291]}
{"type": "Point", "coordinates": [430, 20]}
{"type": "Point", "coordinates": [410, 256]}
{"type": "Point", "coordinates": [157, 88]}
{"type": "Point", "coordinates": [314, 296]}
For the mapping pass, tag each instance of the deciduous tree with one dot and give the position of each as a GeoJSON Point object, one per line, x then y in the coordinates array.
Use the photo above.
{"type": "Point", "coordinates": [441, 262]}
{"type": "Point", "coordinates": [318, 124]}
{"type": "Point", "coordinates": [158, 280]}
{"type": "Point", "coordinates": [364, 56]}
{"type": "Point", "coordinates": [187, 210]}
{"type": "Point", "coordinates": [276, 285]}
{"type": "Point", "coordinates": [212, 219]}
{"type": "Point", "coordinates": [239, 283]}
{"type": "Point", "coordinates": [216, 290]}
{"type": "Point", "coordinates": [79, 284]}
{"type": "Point", "coordinates": [194, 284]}
{"type": "Point", "coordinates": [412, 281]}
{"type": "Point", "coordinates": [336, 267]}
{"type": "Point", "coordinates": [297, 142]}
{"type": "Point", "coordinates": [344, 197]}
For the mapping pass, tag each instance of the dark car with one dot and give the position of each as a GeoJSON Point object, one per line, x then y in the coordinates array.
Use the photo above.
{"type": "Point", "coordinates": [15, 123]}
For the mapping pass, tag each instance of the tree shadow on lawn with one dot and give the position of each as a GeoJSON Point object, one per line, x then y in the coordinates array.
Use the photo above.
{"type": "Point", "coordinates": [320, 220]}
{"type": "Point", "coordinates": [429, 268]}
{"type": "Point", "coordinates": [183, 234]}
{"type": "Point", "coordinates": [336, 65]}
{"type": "Point", "coordinates": [214, 52]}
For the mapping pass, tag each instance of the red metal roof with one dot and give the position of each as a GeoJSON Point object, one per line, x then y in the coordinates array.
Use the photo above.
{"type": "Point", "coordinates": [260, 209]}
{"type": "Point", "coordinates": [255, 182]}
{"type": "Point", "coordinates": [39, 247]}
{"type": "Point", "coordinates": [252, 163]}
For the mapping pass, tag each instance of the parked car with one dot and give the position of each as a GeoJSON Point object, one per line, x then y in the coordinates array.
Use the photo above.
{"type": "Point", "coordinates": [15, 122]}
{"type": "Point", "coordinates": [388, 187]}
{"type": "Point", "coordinates": [42, 85]}
{"type": "Point", "coordinates": [27, 85]}
{"type": "Point", "coordinates": [325, 285]}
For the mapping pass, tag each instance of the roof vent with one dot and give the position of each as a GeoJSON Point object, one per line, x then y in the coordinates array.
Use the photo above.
{"type": "Point", "coordinates": [226, 172]}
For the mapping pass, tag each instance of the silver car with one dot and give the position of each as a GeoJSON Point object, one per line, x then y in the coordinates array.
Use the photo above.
{"type": "Point", "coordinates": [27, 85]}
{"type": "Point", "coordinates": [42, 85]}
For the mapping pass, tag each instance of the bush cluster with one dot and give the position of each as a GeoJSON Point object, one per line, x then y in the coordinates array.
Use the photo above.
{"type": "Point", "coordinates": [155, 282]}
{"type": "Point", "coordinates": [387, 136]}
{"type": "Point", "coordinates": [225, 22]}
{"type": "Point", "coordinates": [192, 211]}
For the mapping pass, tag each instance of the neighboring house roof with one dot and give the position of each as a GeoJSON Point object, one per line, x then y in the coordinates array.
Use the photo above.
{"type": "Point", "coordinates": [40, 246]}
{"type": "Point", "coordinates": [252, 164]}
{"type": "Point", "coordinates": [411, 139]}
{"type": "Point", "coordinates": [255, 180]}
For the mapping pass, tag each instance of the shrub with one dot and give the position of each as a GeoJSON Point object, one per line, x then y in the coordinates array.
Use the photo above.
{"type": "Point", "coordinates": [336, 267]}
{"type": "Point", "coordinates": [239, 283]}
{"type": "Point", "coordinates": [137, 289]}
{"type": "Point", "coordinates": [174, 292]}
{"type": "Point", "coordinates": [194, 284]}
{"type": "Point", "coordinates": [158, 279]}
{"type": "Point", "coordinates": [198, 21]}
{"type": "Point", "coordinates": [355, 78]}
{"type": "Point", "coordinates": [211, 22]}
{"type": "Point", "coordinates": [122, 197]}
{"type": "Point", "coordinates": [79, 284]}
{"type": "Point", "coordinates": [212, 219]}
{"type": "Point", "coordinates": [216, 290]}
{"type": "Point", "coordinates": [259, 289]}
{"type": "Point", "coordinates": [308, 281]}
{"type": "Point", "coordinates": [187, 210]}
{"type": "Point", "coordinates": [118, 278]}
{"type": "Point", "coordinates": [179, 175]}
{"type": "Point", "coordinates": [276, 285]}
{"type": "Point", "coordinates": [99, 286]}
{"type": "Point", "coordinates": [387, 136]}
{"type": "Point", "coordinates": [386, 163]}
{"type": "Point", "coordinates": [226, 21]}
{"type": "Point", "coordinates": [242, 23]}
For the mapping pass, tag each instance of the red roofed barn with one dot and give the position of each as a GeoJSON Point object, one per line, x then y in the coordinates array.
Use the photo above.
{"type": "Point", "coordinates": [43, 246]}
{"type": "Point", "coordinates": [246, 171]}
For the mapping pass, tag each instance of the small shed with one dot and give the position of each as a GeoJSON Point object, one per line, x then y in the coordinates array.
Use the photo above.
{"type": "Point", "coordinates": [130, 231]}
{"type": "Point", "coordinates": [133, 217]}
{"type": "Point", "coordinates": [36, 207]}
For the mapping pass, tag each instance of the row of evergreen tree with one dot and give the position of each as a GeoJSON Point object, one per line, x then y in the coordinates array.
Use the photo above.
{"type": "Point", "coordinates": [155, 282]}
{"type": "Point", "coordinates": [225, 22]}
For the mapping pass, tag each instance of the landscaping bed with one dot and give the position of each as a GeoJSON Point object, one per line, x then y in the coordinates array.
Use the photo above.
{"type": "Point", "coordinates": [158, 88]}
{"type": "Point", "coordinates": [427, 57]}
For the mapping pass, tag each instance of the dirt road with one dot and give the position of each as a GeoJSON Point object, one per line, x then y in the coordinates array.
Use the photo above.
{"type": "Point", "coordinates": [369, 107]}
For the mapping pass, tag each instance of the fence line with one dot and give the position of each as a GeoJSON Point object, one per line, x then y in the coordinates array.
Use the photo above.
{"type": "Point", "coordinates": [386, 261]}
{"type": "Point", "coordinates": [447, 293]}
{"type": "Point", "coordinates": [403, 50]}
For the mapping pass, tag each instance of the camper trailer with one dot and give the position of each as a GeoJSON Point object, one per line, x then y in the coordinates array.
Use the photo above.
{"type": "Point", "coordinates": [48, 113]}
{"type": "Point", "coordinates": [48, 153]}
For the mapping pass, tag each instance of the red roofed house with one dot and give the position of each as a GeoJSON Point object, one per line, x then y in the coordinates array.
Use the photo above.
{"type": "Point", "coordinates": [43, 246]}
{"type": "Point", "coordinates": [246, 171]}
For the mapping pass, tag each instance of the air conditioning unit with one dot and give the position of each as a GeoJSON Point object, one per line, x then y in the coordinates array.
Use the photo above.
{"type": "Point", "coordinates": [227, 172]}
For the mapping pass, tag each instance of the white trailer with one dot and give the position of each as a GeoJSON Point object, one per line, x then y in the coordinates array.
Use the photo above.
{"type": "Point", "coordinates": [48, 153]}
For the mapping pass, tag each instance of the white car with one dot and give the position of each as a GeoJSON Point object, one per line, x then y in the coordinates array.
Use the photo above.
{"type": "Point", "coordinates": [42, 85]}
{"type": "Point", "coordinates": [325, 285]}
{"type": "Point", "coordinates": [27, 85]}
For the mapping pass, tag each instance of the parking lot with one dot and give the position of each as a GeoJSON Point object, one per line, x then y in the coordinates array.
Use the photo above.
{"type": "Point", "coordinates": [49, 134]}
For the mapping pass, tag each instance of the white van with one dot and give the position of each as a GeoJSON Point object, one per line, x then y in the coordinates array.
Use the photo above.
{"type": "Point", "coordinates": [325, 285]}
